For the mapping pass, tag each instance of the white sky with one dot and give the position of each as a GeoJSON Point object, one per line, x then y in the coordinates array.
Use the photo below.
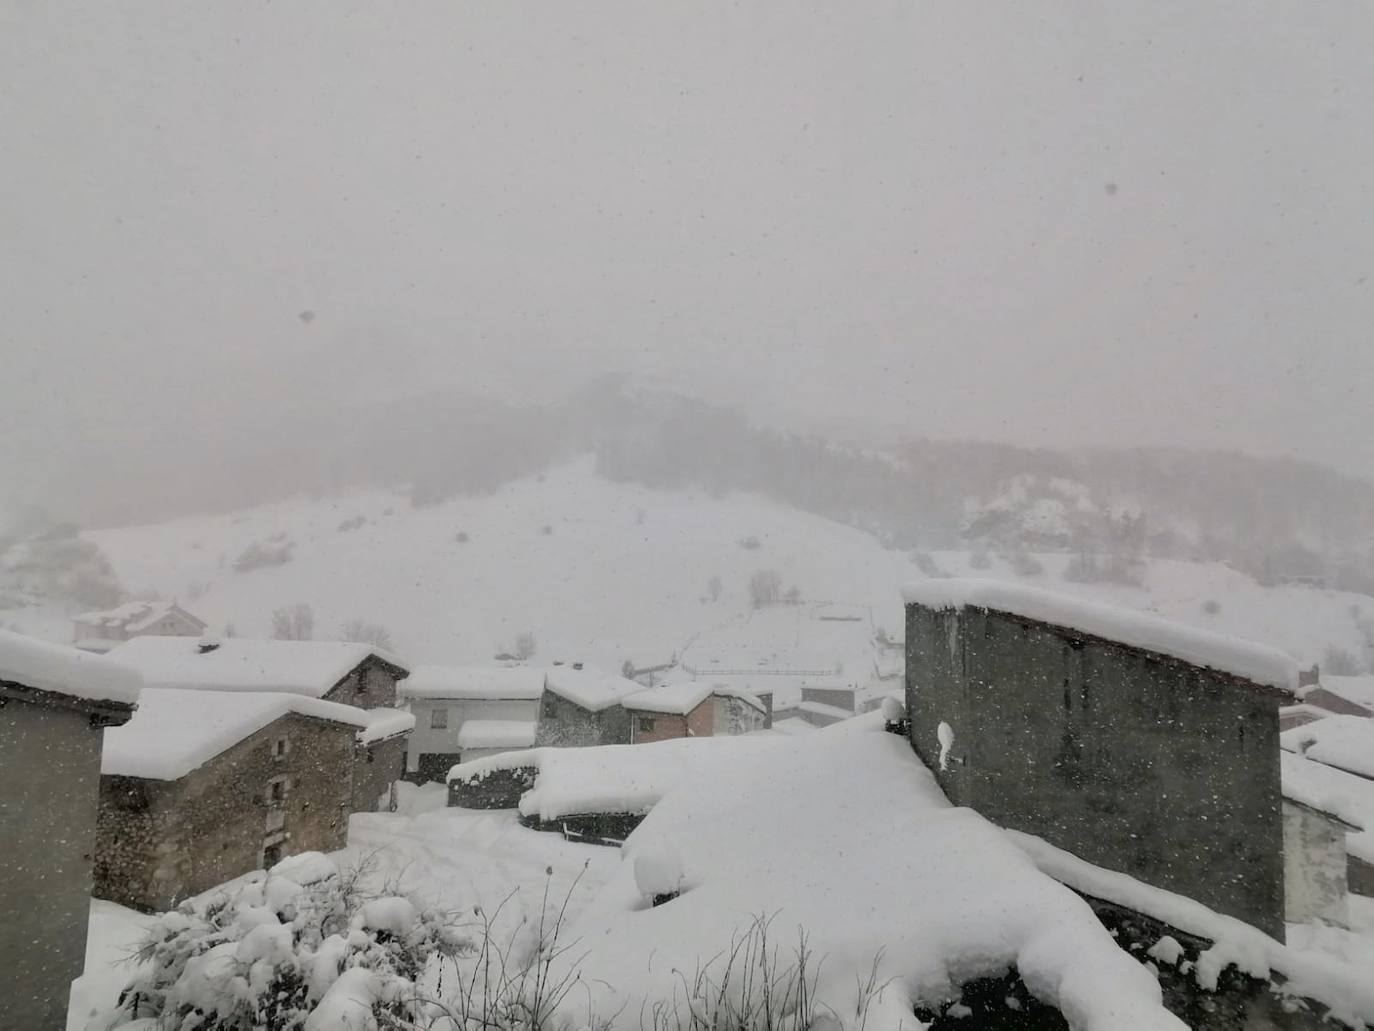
{"type": "Point", "coordinates": [1101, 223]}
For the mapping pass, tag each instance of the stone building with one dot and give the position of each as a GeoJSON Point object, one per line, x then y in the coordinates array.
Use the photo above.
{"type": "Point", "coordinates": [357, 675]}
{"type": "Point", "coordinates": [1136, 744]}
{"type": "Point", "coordinates": [463, 713]}
{"type": "Point", "coordinates": [671, 711]}
{"type": "Point", "coordinates": [582, 706]}
{"type": "Point", "coordinates": [101, 631]}
{"type": "Point", "coordinates": [739, 712]}
{"type": "Point", "coordinates": [55, 704]}
{"type": "Point", "coordinates": [203, 786]}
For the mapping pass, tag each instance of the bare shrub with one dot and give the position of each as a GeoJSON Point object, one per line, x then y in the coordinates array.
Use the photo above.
{"type": "Point", "coordinates": [1339, 662]}
{"type": "Point", "coordinates": [293, 623]}
{"type": "Point", "coordinates": [360, 631]}
{"type": "Point", "coordinates": [1211, 606]}
{"type": "Point", "coordinates": [765, 588]}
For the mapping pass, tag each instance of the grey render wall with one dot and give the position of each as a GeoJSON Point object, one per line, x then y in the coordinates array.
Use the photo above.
{"type": "Point", "coordinates": [564, 724]}
{"type": "Point", "coordinates": [1130, 760]}
{"type": "Point", "coordinates": [1314, 866]}
{"type": "Point", "coordinates": [49, 784]}
{"type": "Point", "coordinates": [425, 740]}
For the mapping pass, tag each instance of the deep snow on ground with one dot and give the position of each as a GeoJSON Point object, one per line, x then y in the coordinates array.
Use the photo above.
{"type": "Point", "coordinates": [843, 834]}
{"type": "Point", "coordinates": [451, 859]}
{"type": "Point", "coordinates": [111, 938]}
{"type": "Point", "coordinates": [604, 571]}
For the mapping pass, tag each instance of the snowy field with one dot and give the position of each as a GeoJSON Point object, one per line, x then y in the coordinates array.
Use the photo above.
{"type": "Point", "coordinates": [602, 572]}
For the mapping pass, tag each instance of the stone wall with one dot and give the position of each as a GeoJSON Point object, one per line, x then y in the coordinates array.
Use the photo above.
{"type": "Point", "coordinates": [734, 716]}
{"type": "Point", "coordinates": [375, 769]}
{"type": "Point", "coordinates": [179, 838]}
{"type": "Point", "coordinates": [499, 789]}
{"type": "Point", "coordinates": [49, 782]}
{"type": "Point", "coordinates": [1130, 760]}
{"type": "Point", "coordinates": [563, 724]}
{"type": "Point", "coordinates": [371, 686]}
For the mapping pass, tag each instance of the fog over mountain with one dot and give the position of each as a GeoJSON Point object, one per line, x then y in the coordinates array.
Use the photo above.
{"type": "Point", "coordinates": [246, 243]}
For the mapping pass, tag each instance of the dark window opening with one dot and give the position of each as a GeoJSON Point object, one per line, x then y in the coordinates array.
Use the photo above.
{"type": "Point", "coordinates": [646, 725]}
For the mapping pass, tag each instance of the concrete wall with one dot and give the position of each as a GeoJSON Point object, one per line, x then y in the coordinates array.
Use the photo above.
{"type": "Point", "coordinates": [561, 723]}
{"type": "Point", "coordinates": [1132, 761]}
{"type": "Point", "coordinates": [1314, 867]}
{"type": "Point", "coordinates": [425, 740]}
{"type": "Point", "coordinates": [376, 768]}
{"type": "Point", "coordinates": [49, 782]}
{"type": "Point", "coordinates": [160, 842]}
{"type": "Point", "coordinates": [665, 726]}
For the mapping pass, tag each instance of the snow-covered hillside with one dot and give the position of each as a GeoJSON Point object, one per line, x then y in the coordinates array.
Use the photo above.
{"type": "Point", "coordinates": [604, 572]}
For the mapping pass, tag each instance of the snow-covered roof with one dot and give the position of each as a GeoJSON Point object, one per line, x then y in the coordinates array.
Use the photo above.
{"type": "Point", "coordinates": [672, 699]}
{"type": "Point", "coordinates": [475, 682]}
{"type": "Point", "coordinates": [608, 778]}
{"type": "Point", "coordinates": [833, 712]}
{"type": "Point", "coordinates": [1345, 742]}
{"type": "Point", "coordinates": [1254, 662]}
{"type": "Point", "coordinates": [1359, 690]}
{"type": "Point", "coordinates": [62, 670]}
{"type": "Point", "coordinates": [383, 724]}
{"type": "Point", "coordinates": [1329, 790]}
{"type": "Point", "coordinates": [497, 734]}
{"type": "Point", "coordinates": [174, 731]}
{"type": "Point", "coordinates": [136, 616]}
{"type": "Point", "coordinates": [588, 688]}
{"type": "Point", "coordinates": [242, 664]}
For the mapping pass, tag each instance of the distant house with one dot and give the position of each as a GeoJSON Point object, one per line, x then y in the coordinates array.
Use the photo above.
{"type": "Point", "coordinates": [202, 786]}
{"type": "Point", "coordinates": [1345, 796]}
{"type": "Point", "coordinates": [670, 711]}
{"type": "Point", "coordinates": [739, 712]}
{"type": "Point", "coordinates": [583, 706]}
{"type": "Point", "coordinates": [1075, 722]}
{"type": "Point", "coordinates": [55, 704]}
{"type": "Point", "coordinates": [333, 671]}
{"type": "Point", "coordinates": [463, 713]}
{"type": "Point", "coordinates": [101, 631]}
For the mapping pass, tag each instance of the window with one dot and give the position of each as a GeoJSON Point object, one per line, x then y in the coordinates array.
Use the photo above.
{"type": "Point", "coordinates": [271, 856]}
{"type": "Point", "coordinates": [550, 709]}
{"type": "Point", "coordinates": [280, 748]}
{"type": "Point", "coordinates": [646, 724]}
{"type": "Point", "coordinates": [276, 790]}
{"type": "Point", "coordinates": [438, 719]}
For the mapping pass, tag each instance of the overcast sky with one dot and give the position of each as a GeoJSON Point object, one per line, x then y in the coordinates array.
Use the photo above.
{"type": "Point", "coordinates": [1103, 223]}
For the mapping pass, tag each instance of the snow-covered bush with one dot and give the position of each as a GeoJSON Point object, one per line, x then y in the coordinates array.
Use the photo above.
{"type": "Point", "coordinates": [300, 948]}
{"type": "Point", "coordinates": [894, 710]}
{"type": "Point", "coordinates": [658, 872]}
